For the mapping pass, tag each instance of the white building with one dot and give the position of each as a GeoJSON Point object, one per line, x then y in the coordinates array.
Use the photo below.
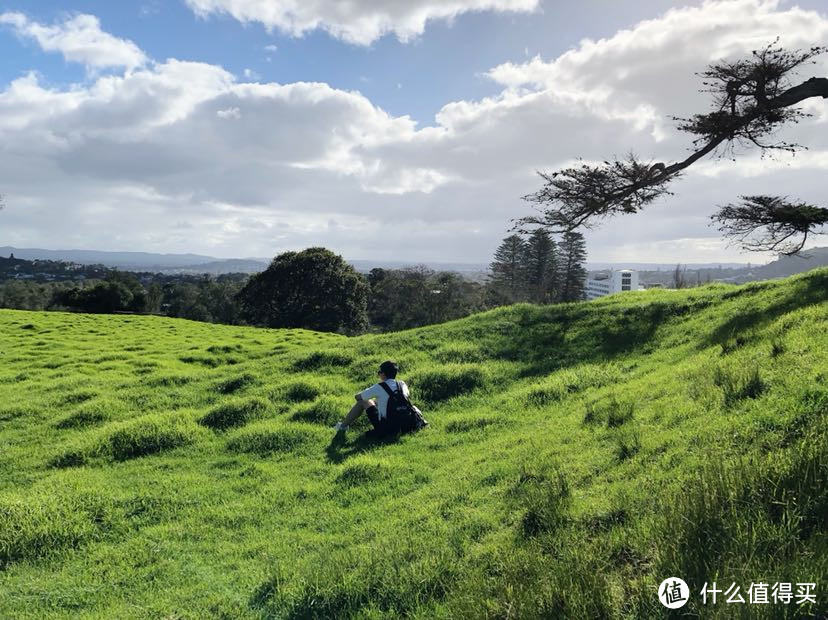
{"type": "Point", "coordinates": [612, 281]}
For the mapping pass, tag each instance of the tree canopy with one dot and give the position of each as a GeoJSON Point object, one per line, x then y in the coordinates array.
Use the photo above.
{"type": "Point", "coordinates": [751, 99]}
{"type": "Point", "coordinates": [415, 296]}
{"type": "Point", "coordinates": [539, 269]}
{"type": "Point", "coordinates": [509, 268]}
{"type": "Point", "coordinates": [315, 289]}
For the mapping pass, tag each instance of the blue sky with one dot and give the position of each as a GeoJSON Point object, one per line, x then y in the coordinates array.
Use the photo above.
{"type": "Point", "coordinates": [441, 132]}
{"type": "Point", "coordinates": [446, 63]}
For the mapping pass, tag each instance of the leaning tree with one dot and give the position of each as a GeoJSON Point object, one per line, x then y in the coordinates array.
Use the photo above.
{"type": "Point", "coordinates": [752, 99]}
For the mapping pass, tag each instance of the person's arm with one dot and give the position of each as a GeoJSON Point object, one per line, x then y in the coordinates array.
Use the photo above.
{"type": "Point", "coordinates": [368, 393]}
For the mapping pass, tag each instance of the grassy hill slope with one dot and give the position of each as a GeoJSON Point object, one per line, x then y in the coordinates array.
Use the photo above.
{"type": "Point", "coordinates": [577, 455]}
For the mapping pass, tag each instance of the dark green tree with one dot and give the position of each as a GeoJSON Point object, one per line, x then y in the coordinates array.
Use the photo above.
{"type": "Point", "coordinates": [315, 289]}
{"type": "Point", "coordinates": [103, 298]}
{"type": "Point", "coordinates": [540, 264]}
{"type": "Point", "coordinates": [454, 297]}
{"type": "Point", "coordinates": [25, 295]}
{"type": "Point", "coordinates": [219, 297]}
{"type": "Point", "coordinates": [508, 269]}
{"type": "Point", "coordinates": [415, 296]}
{"type": "Point", "coordinates": [137, 298]}
{"type": "Point", "coordinates": [680, 276]}
{"type": "Point", "coordinates": [572, 272]}
{"type": "Point", "coordinates": [401, 298]}
{"type": "Point", "coordinates": [181, 301]}
{"type": "Point", "coordinates": [155, 295]}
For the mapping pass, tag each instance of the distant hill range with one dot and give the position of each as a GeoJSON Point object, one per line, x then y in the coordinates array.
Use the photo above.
{"type": "Point", "coordinates": [651, 273]}
{"type": "Point", "coordinates": [197, 263]}
{"type": "Point", "coordinates": [782, 267]}
{"type": "Point", "coordinates": [785, 266]}
{"type": "Point", "coordinates": [138, 261]}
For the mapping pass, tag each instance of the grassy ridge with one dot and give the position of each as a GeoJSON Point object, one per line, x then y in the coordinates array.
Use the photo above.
{"type": "Point", "coordinates": [577, 455]}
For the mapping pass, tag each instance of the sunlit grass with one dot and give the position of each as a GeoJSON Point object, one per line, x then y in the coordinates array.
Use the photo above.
{"type": "Point", "coordinates": [577, 455]}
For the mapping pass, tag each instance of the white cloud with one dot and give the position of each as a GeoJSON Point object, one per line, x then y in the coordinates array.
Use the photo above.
{"type": "Point", "coordinates": [80, 39]}
{"type": "Point", "coordinates": [229, 113]}
{"type": "Point", "coordinates": [404, 180]}
{"type": "Point", "coordinates": [254, 169]}
{"type": "Point", "coordinates": [358, 21]}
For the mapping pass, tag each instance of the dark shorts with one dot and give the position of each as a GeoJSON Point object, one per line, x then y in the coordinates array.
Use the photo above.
{"type": "Point", "coordinates": [373, 415]}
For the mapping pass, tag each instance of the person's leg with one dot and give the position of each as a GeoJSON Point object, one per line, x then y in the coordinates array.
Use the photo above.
{"type": "Point", "coordinates": [358, 408]}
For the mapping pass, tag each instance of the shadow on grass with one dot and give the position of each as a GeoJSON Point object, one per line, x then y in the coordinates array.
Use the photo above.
{"type": "Point", "coordinates": [549, 338]}
{"type": "Point", "coordinates": [555, 337]}
{"type": "Point", "coordinates": [812, 289]}
{"type": "Point", "coordinates": [341, 449]}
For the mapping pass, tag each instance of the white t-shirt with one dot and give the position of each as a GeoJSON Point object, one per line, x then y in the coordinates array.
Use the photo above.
{"type": "Point", "coordinates": [381, 396]}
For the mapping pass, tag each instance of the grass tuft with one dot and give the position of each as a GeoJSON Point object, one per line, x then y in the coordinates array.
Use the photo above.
{"type": "Point", "coordinates": [472, 424]}
{"type": "Point", "coordinates": [627, 443]}
{"type": "Point", "coordinates": [777, 347]}
{"type": "Point", "coordinates": [83, 418]}
{"type": "Point", "coordinates": [7, 414]}
{"type": "Point", "coordinates": [447, 382]}
{"type": "Point", "coordinates": [266, 438]}
{"type": "Point", "coordinates": [739, 385]}
{"type": "Point", "coordinates": [752, 514]}
{"type": "Point", "coordinates": [545, 496]}
{"type": "Point", "coordinates": [150, 435]}
{"type": "Point", "coordinates": [225, 349]}
{"type": "Point", "coordinates": [170, 380]}
{"type": "Point", "coordinates": [73, 457]}
{"type": "Point", "coordinates": [41, 524]}
{"type": "Point", "coordinates": [364, 470]}
{"type": "Point", "coordinates": [319, 360]}
{"type": "Point", "coordinates": [75, 398]}
{"type": "Point", "coordinates": [231, 386]}
{"type": "Point", "coordinates": [325, 410]}
{"type": "Point", "coordinates": [619, 413]}
{"type": "Point", "coordinates": [459, 354]}
{"type": "Point", "coordinates": [234, 414]}
{"type": "Point", "coordinates": [301, 391]}
{"type": "Point", "coordinates": [592, 415]}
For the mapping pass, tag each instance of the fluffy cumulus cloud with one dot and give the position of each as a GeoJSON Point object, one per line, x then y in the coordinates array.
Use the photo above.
{"type": "Point", "coordinates": [79, 39]}
{"type": "Point", "coordinates": [616, 95]}
{"type": "Point", "coordinates": [182, 156]}
{"type": "Point", "coordinates": [358, 21]}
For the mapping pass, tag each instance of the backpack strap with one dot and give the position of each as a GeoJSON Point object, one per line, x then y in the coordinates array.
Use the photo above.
{"type": "Point", "coordinates": [385, 387]}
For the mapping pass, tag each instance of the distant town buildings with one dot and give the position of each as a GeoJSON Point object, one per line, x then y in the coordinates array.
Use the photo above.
{"type": "Point", "coordinates": [611, 281]}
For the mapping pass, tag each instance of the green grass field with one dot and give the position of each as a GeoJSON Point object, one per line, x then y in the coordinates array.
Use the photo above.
{"type": "Point", "coordinates": [577, 455]}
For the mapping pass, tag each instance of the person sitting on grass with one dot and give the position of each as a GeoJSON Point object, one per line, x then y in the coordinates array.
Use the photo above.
{"type": "Point", "coordinates": [400, 417]}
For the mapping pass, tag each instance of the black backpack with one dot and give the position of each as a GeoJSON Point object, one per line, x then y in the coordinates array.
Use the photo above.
{"type": "Point", "coordinates": [400, 416]}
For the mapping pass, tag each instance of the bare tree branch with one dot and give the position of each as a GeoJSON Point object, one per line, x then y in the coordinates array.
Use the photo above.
{"type": "Point", "coordinates": [751, 100]}
{"type": "Point", "coordinates": [770, 223]}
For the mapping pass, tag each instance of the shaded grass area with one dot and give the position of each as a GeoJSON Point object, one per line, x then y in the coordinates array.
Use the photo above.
{"type": "Point", "coordinates": [234, 413]}
{"type": "Point", "coordinates": [577, 455]}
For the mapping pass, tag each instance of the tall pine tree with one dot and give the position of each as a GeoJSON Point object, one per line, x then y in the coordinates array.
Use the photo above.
{"type": "Point", "coordinates": [571, 269]}
{"type": "Point", "coordinates": [508, 269]}
{"type": "Point", "coordinates": [541, 266]}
